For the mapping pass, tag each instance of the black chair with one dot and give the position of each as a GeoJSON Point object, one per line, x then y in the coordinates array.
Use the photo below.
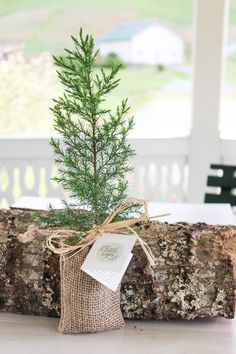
{"type": "Point", "coordinates": [226, 182]}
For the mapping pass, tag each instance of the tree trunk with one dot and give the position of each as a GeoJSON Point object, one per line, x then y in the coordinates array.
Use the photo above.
{"type": "Point", "coordinates": [193, 277]}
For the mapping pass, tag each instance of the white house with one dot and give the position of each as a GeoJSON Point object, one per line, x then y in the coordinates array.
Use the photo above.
{"type": "Point", "coordinates": [143, 42]}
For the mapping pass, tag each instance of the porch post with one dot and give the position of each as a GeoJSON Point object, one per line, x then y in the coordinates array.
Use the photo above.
{"type": "Point", "coordinates": [211, 19]}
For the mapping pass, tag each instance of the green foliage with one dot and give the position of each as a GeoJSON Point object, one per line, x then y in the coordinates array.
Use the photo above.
{"type": "Point", "coordinates": [111, 60]}
{"type": "Point", "coordinates": [75, 218]}
{"type": "Point", "coordinates": [93, 154]}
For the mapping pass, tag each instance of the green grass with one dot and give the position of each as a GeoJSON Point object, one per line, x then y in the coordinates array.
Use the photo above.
{"type": "Point", "coordinates": [140, 85]}
{"type": "Point", "coordinates": [48, 24]}
{"type": "Point", "coordinates": [30, 89]}
{"type": "Point", "coordinates": [232, 12]}
{"type": "Point", "coordinates": [179, 12]}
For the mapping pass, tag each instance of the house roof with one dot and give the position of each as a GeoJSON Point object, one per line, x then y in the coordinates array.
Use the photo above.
{"type": "Point", "coordinates": [126, 30]}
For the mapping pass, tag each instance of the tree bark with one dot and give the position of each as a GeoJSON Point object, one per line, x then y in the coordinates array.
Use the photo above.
{"type": "Point", "coordinates": [194, 275]}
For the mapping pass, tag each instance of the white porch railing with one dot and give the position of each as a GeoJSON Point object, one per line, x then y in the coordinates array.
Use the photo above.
{"type": "Point", "coordinates": [26, 168]}
{"type": "Point", "coordinates": [160, 168]}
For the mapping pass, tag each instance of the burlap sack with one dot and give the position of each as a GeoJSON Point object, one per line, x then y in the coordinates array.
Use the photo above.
{"type": "Point", "coordinates": [86, 305]}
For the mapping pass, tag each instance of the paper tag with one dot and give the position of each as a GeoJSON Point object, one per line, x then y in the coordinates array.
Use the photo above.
{"type": "Point", "coordinates": [109, 258]}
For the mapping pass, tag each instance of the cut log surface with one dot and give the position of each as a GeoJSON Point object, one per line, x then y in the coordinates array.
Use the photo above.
{"type": "Point", "coordinates": [194, 275]}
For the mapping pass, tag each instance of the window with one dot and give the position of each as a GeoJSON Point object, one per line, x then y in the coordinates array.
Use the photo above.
{"type": "Point", "coordinates": [158, 86]}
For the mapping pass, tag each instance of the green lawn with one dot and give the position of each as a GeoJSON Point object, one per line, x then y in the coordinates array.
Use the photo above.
{"type": "Point", "coordinates": [141, 84]}
{"type": "Point", "coordinates": [179, 12]}
{"type": "Point", "coordinates": [47, 24]}
{"type": "Point", "coordinates": [28, 91]}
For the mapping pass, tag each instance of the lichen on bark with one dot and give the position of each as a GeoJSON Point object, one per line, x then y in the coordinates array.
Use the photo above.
{"type": "Point", "coordinates": [194, 275]}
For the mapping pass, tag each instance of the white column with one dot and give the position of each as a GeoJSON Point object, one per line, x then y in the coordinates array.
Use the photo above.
{"type": "Point", "coordinates": [211, 20]}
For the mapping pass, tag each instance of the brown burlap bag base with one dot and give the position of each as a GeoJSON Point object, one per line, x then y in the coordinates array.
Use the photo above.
{"type": "Point", "coordinates": [86, 304]}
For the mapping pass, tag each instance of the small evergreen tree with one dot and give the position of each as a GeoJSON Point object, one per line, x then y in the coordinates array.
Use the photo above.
{"type": "Point", "coordinates": [93, 153]}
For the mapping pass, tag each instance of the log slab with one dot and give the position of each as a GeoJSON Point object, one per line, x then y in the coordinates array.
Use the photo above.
{"type": "Point", "coordinates": [194, 275]}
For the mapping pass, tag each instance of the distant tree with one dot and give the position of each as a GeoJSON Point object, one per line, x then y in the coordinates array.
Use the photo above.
{"type": "Point", "coordinates": [109, 61]}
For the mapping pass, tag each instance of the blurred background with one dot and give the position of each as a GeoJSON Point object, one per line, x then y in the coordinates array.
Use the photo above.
{"type": "Point", "coordinates": [31, 31]}
{"type": "Point", "coordinates": [157, 78]}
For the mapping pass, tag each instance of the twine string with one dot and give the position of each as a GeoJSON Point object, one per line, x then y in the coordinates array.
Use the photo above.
{"type": "Point", "coordinates": [56, 241]}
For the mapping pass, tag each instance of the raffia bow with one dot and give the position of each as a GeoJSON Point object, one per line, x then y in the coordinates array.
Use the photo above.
{"type": "Point", "coordinates": [56, 244]}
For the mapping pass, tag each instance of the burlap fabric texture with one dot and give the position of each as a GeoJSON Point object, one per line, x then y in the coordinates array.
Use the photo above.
{"type": "Point", "coordinates": [86, 304]}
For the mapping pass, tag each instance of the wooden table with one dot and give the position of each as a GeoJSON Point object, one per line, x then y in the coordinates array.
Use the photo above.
{"type": "Point", "coordinates": [221, 214]}
{"type": "Point", "coordinates": [38, 335]}
{"type": "Point", "coordinates": [214, 214]}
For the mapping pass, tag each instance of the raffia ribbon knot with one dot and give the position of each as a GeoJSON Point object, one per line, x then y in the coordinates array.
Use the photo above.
{"type": "Point", "coordinates": [55, 242]}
